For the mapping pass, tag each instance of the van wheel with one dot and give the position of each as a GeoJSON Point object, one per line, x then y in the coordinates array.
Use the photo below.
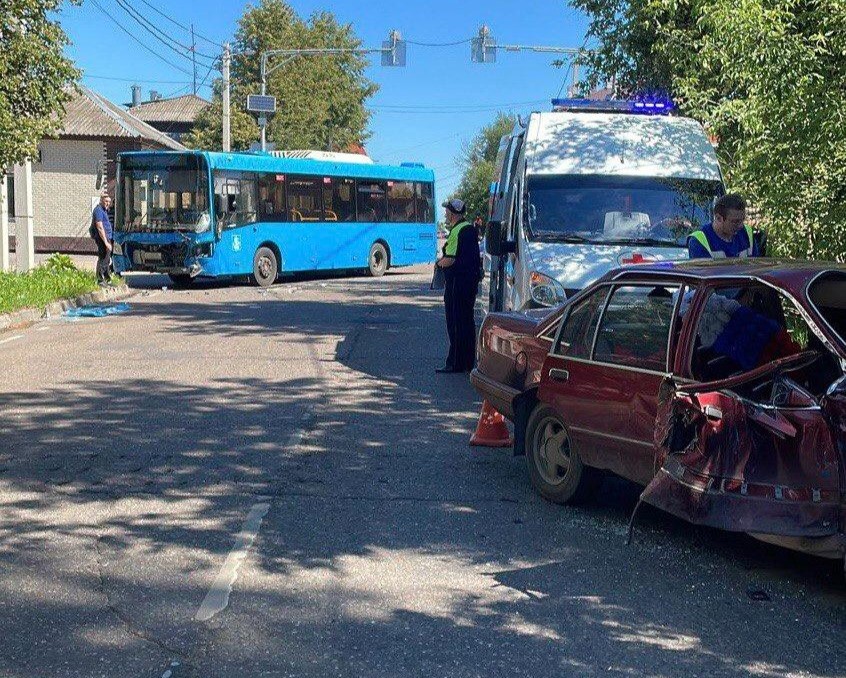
{"type": "Point", "coordinates": [265, 267]}
{"type": "Point", "coordinates": [555, 467]}
{"type": "Point", "coordinates": [377, 262]}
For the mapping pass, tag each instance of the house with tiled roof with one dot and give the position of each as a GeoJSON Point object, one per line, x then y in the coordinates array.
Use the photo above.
{"type": "Point", "coordinates": [73, 169]}
{"type": "Point", "coordinates": [175, 116]}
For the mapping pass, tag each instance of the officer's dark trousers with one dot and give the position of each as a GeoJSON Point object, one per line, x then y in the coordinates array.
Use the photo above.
{"type": "Point", "coordinates": [104, 261]}
{"type": "Point", "coordinates": [459, 301]}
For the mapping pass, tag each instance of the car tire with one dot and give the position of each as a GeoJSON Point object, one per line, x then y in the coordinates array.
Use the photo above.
{"type": "Point", "coordinates": [377, 261]}
{"type": "Point", "coordinates": [555, 467]}
{"type": "Point", "coordinates": [265, 267]}
{"type": "Point", "coordinates": [180, 279]}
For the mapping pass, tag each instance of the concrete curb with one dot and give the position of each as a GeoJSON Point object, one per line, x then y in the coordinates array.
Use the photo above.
{"type": "Point", "coordinates": [28, 316]}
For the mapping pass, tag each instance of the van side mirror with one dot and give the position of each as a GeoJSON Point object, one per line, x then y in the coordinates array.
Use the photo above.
{"type": "Point", "coordinates": [495, 243]}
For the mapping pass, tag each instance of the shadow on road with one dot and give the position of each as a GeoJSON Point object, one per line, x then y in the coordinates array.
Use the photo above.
{"type": "Point", "coordinates": [383, 476]}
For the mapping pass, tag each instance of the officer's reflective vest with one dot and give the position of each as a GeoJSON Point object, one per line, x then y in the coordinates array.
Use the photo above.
{"type": "Point", "coordinates": [719, 254]}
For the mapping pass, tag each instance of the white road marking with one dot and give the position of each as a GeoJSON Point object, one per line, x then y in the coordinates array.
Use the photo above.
{"type": "Point", "coordinates": [217, 598]}
{"type": "Point", "coordinates": [41, 329]}
{"type": "Point", "coordinates": [8, 339]}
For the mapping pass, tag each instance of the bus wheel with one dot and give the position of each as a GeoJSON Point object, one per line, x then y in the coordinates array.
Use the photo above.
{"type": "Point", "coordinates": [377, 263]}
{"type": "Point", "coordinates": [265, 267]}
{"type": "Point", "coordinates": [180, 279]}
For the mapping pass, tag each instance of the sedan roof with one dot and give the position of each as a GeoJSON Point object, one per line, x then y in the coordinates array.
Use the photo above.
{"type": "Point", "coordinates": [790, 275]}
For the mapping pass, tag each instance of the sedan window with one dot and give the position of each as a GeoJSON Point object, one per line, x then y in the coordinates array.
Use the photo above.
{"type": "Point", "coordinates": [576, 338]}
{"type": "Point", "coordinates": [635, 328]}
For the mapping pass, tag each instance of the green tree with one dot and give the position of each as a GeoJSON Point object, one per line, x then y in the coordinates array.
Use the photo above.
{"type": "Point", "coordinates": [35, 76]}
{"type": "Point", "coordinates": [766, 78]}
{"type": "Point", "coordinates": [320, 98]}
{"type": "Point", "coordinates": [478, 163]}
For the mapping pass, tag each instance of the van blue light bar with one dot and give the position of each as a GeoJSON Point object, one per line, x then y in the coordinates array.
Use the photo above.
{"type": "Point", "coordinates": [642, 105]}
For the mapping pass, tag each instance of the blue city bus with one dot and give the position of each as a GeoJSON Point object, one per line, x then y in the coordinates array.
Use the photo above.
{"type": "Point", "coordinates": [262, 215]}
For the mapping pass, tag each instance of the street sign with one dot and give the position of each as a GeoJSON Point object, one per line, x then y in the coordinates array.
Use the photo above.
{"type": "Point", "coordinates": [261, 103]}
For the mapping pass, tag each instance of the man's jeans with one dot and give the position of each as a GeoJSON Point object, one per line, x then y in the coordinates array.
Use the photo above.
{"type": "Point", "coordinates": [104, 261]}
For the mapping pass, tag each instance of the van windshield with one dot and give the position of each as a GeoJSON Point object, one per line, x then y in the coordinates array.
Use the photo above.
{"type": "Point", "coordinates": [618, 210]}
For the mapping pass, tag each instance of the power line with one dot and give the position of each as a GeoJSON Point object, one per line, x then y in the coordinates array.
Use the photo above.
{"type": "Point", "coordinates": [179, 25]}
{"type": "Point", "coordinates": [138, 40]}
{"type": "Point", "coordinates": [136, 80]}
{"type": "Point", "coordinates": [440, 44]}
{"type": "Point", "coordinates": [458, 108]}
{"type": "Point", "coordinates": [159, 34]}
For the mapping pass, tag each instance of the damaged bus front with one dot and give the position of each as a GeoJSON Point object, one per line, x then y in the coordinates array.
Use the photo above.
{"type": "Point", "coordinates": [164, 223]}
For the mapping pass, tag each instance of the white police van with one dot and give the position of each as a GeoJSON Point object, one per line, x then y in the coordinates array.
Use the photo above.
{"type": "Point", "coordinates": [590, 186]}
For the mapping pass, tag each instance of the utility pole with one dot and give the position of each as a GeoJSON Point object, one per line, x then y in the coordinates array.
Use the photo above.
{"type": "Point", "coordinates": [227, 146]}
{"type": "Point", "coordinates": [4, 221]}
{"type": "Point", "coordinates": [194, 57]}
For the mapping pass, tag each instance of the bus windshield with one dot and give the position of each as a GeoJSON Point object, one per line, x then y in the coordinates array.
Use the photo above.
{"type": "Point", "coordinates": [163, 193]}
{"type": "Point", "coordinates": [617, 210]}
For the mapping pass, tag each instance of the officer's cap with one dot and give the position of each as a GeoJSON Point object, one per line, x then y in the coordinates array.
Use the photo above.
{"type": "Point", "coordinates": [455, 206]}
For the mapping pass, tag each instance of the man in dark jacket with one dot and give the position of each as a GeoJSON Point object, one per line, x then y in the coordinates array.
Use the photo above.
{"type": "Point", "coordinates": [462, 267]}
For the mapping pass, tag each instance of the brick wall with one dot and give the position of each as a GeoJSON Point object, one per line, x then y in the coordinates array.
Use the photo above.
{"type": "Point", "coordinates": [64, 182]}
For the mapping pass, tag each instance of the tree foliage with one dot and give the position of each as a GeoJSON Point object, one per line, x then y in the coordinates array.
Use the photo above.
{"type": "Point", "coordinates": [478, 163]}
{"type": "Point", "coordinates": [320, 99]}
{"type": "Point", "coordinates": [35, 76]}
{"type": "Point", "coordinates": [768, 80]}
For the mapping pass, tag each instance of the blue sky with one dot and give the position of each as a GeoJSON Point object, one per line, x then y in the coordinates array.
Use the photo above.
{"type": "Point", "coordinates": [423, 112]}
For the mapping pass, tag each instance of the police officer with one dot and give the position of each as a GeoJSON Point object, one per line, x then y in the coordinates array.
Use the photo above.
{"type": "Point", "coordinates": [461, 264]}
{"type": "Point", "coordinates": [727, 236]}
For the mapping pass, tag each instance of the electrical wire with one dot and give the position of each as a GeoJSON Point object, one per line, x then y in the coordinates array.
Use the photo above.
{"type": "Point", "coordinates": [440, 44]}
{"type": "Point", "coordinates": [138, 40]}
{"type": "Point", "coordinates": [182, 26]}
{"type": "Point", "coordinates": [137, 80]}
{"type": "Point", "coordinates": [159, 34]}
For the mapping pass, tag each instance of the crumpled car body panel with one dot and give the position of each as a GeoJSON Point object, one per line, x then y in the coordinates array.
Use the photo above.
{"type": "Point", "coordinates": [736, 465]}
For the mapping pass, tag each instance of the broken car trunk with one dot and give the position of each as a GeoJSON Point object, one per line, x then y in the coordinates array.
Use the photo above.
{"type": "Point", "coordinates": [730, 462]}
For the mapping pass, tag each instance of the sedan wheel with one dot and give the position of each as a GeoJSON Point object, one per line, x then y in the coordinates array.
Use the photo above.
{"type": "Point", "coordinates": [555, 468]}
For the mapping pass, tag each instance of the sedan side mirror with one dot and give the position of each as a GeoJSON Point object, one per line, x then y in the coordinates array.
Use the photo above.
{"type": "Point", "coordinates": [495, 243]}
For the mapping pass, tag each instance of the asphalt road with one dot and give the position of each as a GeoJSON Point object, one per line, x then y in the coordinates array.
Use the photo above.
{"type": "Point", "coordinates": [232, 482]}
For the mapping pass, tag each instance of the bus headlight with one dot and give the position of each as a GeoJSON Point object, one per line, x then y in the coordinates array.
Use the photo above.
{"type": "Point", "coordinates": [117, 249]}
{"type": "Point", "coordinates": [546, 291]}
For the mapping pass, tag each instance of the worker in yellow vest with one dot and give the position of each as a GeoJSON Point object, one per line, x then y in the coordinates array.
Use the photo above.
{"type": "Point", "coordinates": [727, 236]}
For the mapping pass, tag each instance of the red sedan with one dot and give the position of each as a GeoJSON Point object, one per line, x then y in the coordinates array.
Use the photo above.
{"type": "Point", "coordinates": [719, 386]}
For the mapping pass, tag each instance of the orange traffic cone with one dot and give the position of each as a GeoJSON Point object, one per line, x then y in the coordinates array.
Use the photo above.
{"type": "Point", "coordinates": [491, 430]}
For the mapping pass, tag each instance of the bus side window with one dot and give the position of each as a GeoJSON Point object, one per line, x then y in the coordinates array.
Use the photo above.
{"type": "Point", "coordinates": [425, 202]}
{"type": "Point", "coordinates": [338, 199]}
{"type": "Point", "coordinates": [305, 198]}
{"type": "Point", "coordinates": [271, 197]}
{"type": "Point", "coordinates": [401, 202]}
{"type": "Point", "coordinates": [235, 193]}
{"type": "Point", "coordinates": [372, 200]}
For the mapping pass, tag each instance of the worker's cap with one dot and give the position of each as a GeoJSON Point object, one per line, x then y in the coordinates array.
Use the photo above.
{"type": "Point", "coordinates": [455, 206]}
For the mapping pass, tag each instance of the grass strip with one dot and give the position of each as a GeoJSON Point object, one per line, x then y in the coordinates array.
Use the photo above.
{"type": "Point", "coordinates": [57, 278]}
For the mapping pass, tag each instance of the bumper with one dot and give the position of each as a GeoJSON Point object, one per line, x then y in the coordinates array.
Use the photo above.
{"type": "Point", "coordinates": [174, 258]}
{"type": "Point", "coordinates": [497, 394]}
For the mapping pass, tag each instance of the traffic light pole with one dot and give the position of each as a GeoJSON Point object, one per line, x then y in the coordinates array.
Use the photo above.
{"type": "Point", "coordinates": [393, 49]}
